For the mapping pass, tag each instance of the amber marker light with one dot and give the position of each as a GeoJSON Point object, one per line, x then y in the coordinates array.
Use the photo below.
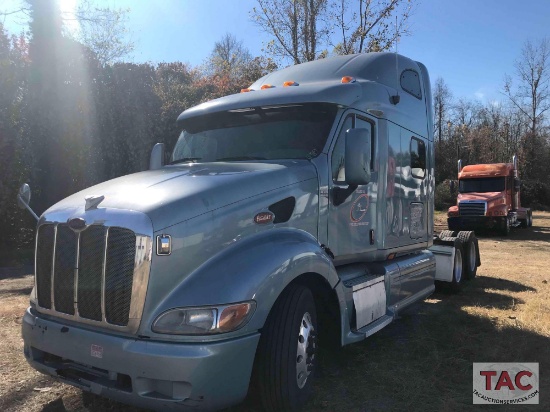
{"type": "Point", "coordinates": [266, 86]}
{"type": "Point", "coordinates": [246, 90]}
{"type": "Point", "coordinates": [348, 79]}
{"type": "Point", "coordinates": [234, 316]}
{"type": "Point", "coordinates": [290, 83]}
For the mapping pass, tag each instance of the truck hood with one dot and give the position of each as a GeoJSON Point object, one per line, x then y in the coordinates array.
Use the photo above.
{"type": "Point", "coordinates": [180, 192]}
{"type": "Point", "coordinates": [481, 196]}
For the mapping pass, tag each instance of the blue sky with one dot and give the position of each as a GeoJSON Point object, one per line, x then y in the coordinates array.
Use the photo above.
{"type": "Point", "coordinates": [471, 44]}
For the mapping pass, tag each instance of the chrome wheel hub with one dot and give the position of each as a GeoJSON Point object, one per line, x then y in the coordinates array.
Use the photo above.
{"type": "Point", "coordinates": [305, 355]}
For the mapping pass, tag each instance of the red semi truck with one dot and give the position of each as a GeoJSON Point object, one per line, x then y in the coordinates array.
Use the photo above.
{"type": "Point", "coordinates": [488, 197]}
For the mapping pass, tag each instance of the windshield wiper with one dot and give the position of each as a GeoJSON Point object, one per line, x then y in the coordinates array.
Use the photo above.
{"type": "Point", "coordinates": [185, 159]}
{"type": "Point", "coordinates": [240, 158]}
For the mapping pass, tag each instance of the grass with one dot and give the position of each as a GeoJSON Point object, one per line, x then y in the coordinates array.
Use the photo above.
{"type": "Point", "coordinates": [421, 362]}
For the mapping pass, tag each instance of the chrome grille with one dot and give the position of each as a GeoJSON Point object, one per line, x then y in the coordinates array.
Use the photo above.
{"type": "Point", "coordinates": [472, 208]}
{"type": "Point", "coordinates": [44, 260]}
{"type": "Point", "coordinates": [90, 272]}
{"type": "Point", "coordinates": [89, 276]}
{"type": "Point", "coordinates": [121, 251]}
{"type": "Point", "coordinates": [64, 269]}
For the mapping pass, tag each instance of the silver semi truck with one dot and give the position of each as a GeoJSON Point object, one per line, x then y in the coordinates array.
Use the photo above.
{"type": "Point", "coordinates": [293, 213]}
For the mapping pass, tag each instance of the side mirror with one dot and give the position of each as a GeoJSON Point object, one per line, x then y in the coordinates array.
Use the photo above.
{"type": "Point", "coordinates": [24, 197]}
{"type": "Point", "coordinates": [157, 157]}
{"type": "Point", "coordinates": [452, 186]}
{"type": "Point", "coordinates": [358, 156]}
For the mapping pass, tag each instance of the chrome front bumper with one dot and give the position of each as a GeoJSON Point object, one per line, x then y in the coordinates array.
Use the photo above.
{"type": "Point", "coordinates": [150, 374]}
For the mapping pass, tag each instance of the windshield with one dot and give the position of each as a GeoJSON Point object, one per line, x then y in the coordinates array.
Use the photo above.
{"type": "Point", "coordinates": [296, 131]}
{"type": "Point", "coordinates": [486, 184]}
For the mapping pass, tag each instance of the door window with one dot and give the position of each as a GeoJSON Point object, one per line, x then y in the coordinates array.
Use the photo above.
{"type": "Point", "coordinates": [338, 153]}
{"type": "Point", "coordinates": [418, 158]}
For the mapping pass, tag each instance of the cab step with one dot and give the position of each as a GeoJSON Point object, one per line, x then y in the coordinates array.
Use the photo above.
{"type": "Point", "coordinates": [375, 326]}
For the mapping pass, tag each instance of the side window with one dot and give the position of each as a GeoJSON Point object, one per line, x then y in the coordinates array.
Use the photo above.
{"type": "Point", "coordinates": [338, 153]}
{"type": "Point", "coordinates": [418, 158]}
{"type": "Point", "coordinates": [410, 82]}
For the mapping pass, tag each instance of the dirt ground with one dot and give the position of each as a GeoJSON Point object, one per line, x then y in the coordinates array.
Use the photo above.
{"type": "Point", "coordinates": [422, 361]}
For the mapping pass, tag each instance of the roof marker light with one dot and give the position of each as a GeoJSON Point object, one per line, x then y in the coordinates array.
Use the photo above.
{"type": "Point", "coordinates": [246, 90]}
{"type": "Point", "coordinates": [290, 83]}
{"type": "Point", "coordinates": [266, 86]}
{"type": "Point", "coordinates": [348, 79]}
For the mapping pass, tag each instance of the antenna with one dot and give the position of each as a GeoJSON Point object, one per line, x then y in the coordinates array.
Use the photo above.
{"type": "Point", "coordinates": [395, 99]}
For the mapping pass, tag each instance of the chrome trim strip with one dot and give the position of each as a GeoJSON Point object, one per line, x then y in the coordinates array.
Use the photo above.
{"type": "Point", "coordinates": [34, 293]}
{"type": "Point", "coordinates": [77, 265]}
{"type": "Point", "coordinates": [103, 319]}
{"type": "Point", "coordinates": [142, 268]}
{"type": "Point", "coordinates": [52, 284]}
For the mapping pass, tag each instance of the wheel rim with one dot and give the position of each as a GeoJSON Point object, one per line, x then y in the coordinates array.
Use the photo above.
{"type": "Point", "coordinates": [472, 256]}
{"type": "Point", "coordinates": [458, 266]}
{"type": "Point", "coordinates": [306, 350]}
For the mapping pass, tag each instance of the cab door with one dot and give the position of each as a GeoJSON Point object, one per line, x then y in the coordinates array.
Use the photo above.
{"type": "Point", "coordinates": [352, 211]}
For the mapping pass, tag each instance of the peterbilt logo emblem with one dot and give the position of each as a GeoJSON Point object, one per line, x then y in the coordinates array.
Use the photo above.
{"type": "Point", "coordinates": [263, 218]}
{"type": "Point", "coordinates": [77, 224]}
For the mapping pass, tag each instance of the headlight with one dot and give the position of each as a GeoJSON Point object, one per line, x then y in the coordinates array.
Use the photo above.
{"type": "Point", "coordinates": [204, 320]}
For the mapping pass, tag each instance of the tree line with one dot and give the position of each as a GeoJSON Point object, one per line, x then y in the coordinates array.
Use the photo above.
{"type": "Point", "coordinates": [75, 112]}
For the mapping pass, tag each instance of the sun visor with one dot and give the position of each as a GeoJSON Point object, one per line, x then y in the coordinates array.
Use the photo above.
{"type": "Point", "coordinates": [320, 92]}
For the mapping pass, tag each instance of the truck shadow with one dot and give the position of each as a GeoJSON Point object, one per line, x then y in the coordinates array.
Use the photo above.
{"type": "Point", "coordinates": [15, 272]}
{"type": "Point", "coordinates": [486, 282]}
{"type": "Point", "coordinates": [424, 360]}
{"type": "Point", "coordinates": [15, 292]}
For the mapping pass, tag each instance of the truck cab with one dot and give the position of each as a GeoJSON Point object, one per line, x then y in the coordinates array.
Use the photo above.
{"type": "Point", "coordinates": [489, 197]}
{"type": "Point", "coordinates": [295, 212]}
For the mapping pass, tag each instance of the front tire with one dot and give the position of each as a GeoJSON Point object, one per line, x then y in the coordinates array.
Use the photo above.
{"type": "Point", "coordinates": [286, 357]}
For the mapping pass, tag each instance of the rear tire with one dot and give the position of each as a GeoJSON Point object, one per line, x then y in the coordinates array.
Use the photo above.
{"type": "Point", "coordinates": [458, 267]}
{"type": "Point", "coordinates": [471, 253]}
{"type": "Point", "coordinates": [524, 222]}
{"type": "Point", "coordinates": [286, 358]}
{"type": "Point", "coordinates": [529, 219]}
{"type": "Point", "coordinates": [505, 227]}
{"type": "Point", "coordinates": [448, 233]}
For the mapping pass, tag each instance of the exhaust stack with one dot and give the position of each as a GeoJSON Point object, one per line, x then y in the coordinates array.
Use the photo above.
{"type": "Point", "coordinates": [515, 162]}
{"type": "Point", "coordinates": [459, 165]}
